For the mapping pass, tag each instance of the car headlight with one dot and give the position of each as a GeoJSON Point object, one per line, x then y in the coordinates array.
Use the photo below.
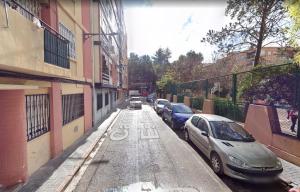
{"type": "Point", "coordinates": [237, 162]}
{"type": "Point", "coordinates": [278, 164]}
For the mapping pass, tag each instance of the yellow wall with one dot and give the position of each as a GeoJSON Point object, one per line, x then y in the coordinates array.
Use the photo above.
{"type": "Point", "coordinates": [38, 152]}
{"type": "Point", "coordinates": [69, 14]}
{"type": "Point", "coordinates": [72, 131]}
{"type": "Point", "coordinates": [21, 54]}
{"type": "Point", "coordinates": [71, 88]}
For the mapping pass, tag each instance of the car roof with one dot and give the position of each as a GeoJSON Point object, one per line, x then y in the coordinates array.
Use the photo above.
{"type": "Point", "coordinates": [211, 117]}
{"type": "Point", "coordinates": [178, 104]}
{"type": "Point", "coordinates": [161, 99]}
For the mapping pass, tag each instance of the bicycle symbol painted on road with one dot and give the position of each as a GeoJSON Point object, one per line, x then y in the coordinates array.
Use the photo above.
{"type": "Point", "coordinates": [119, 133]}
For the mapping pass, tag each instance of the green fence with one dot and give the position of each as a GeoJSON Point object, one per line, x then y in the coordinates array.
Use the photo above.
{"type": "Point", "coordinates": [234, 92]}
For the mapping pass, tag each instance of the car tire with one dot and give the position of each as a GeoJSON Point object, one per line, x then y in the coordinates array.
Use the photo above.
{"type": "Point", "coordinates": [216, 163]}
{"type": "Point", "coordinates": [186, 135]}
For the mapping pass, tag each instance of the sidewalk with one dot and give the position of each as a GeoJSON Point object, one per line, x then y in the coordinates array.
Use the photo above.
{"type": "Point", "coordinates": [290, 174]}
{"type": "Point", "coordinates": [66, 165]}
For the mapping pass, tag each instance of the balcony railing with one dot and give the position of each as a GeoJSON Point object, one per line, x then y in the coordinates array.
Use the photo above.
{"type": "Point", "coordinates": [56, 47]}
{"type": "Point", "coordinates": [105, 78]}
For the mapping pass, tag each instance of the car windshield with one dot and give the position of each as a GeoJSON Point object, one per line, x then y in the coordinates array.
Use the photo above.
{"type": "Point", "coordinates": [182, 109]}
{"type": "Point", "coordinates": [162, 102]}
{"type": "Point", "coordinates": [230, 131]}
{"type": "Point", "coordinates": [135, 99]}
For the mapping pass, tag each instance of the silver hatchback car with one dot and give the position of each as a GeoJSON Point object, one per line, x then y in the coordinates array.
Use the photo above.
{"type": "Point", "coordinates": [231, 149]}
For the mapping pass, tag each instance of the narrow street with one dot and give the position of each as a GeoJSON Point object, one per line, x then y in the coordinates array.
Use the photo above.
{"type": "Point", "coordinates": [141, 153]}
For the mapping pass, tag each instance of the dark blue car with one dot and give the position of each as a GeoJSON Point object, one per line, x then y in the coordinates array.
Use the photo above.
{"type": "Point", "coordinates": [176, 114]}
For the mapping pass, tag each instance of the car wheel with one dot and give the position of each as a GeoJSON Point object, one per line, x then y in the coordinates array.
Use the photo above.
{"type": "Point", "coordinates": [216, 163]}
{"type": "Point", "coordinates": [186, 135]}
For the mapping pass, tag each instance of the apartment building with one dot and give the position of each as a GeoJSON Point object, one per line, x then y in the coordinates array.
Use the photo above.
{"type": "Point", "coordinates": [110, 56]}
{"type": "Point", "coordinates": [47, 79]}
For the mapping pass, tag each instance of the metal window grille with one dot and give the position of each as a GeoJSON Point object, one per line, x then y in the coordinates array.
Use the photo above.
{"type": "Point", "coordinates": [106, 99]}
{"type": "Point", "coordinates": [72, 107]}
{"type": "Point", "coordinates": [69, 35]}
{"type": "Point", "coordinates": [99, 101]}
{"type": "Point", "coordinates": [56, 50]}
{"type": "Point", "coordinates": [37, 115]}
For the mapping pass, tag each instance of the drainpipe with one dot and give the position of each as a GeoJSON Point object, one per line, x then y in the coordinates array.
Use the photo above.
{"type": "Point", "coordinates": [6, 15]}
{"type": "Point", "coordinates": [93, 66]}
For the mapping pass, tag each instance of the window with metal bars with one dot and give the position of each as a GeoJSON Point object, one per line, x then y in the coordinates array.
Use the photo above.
{"type": "Point", "coordinates": [37, 115]}
{"type": "Point", "coordinates": [69, 35]}
{"type": "Point", "coordinates": [99, 101]}
{"type": "Point", "coordinates": [72, 107]}
{"type": "Point", "coordinates": [106, 99]}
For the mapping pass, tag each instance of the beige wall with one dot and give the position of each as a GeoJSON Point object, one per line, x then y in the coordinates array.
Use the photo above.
{"type": "Point", "coordinates": [21, 54]}
{"type": "Point", "coordinates": [72, 131]}
{"type": "Point", "coordinates": [69, 14]}
{"type": "Point", "coordinates": [38, 152]}
{"type": "Point", "coordinates": [67, 88]}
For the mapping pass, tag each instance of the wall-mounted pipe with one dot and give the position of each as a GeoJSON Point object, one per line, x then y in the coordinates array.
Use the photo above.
{"type": "Point", "coordinates": [6, 15]}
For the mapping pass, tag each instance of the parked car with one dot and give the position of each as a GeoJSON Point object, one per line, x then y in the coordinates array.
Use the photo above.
{"type": "Point", "coordinates": [135, 102]}
{"type": "Point", "coordinates": [176, 114]}
{"type": "Point", "coordinates": [151, 97]}
{"type": "Point", "coordinates": [231, 149]}
{"type": "Point", "coordinates": [159, 105]}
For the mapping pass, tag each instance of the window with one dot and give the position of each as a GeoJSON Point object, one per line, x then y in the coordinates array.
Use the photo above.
{"type": "Point", "coordinates": [99, 101]}
{"type": "Point", "coordinates": [106, 99]}
{"type": "Point", "coordinates": [195, 120]}
{"type": "Point", "coordinates": [37, 115]}
{"type": "Point", "coordinates": [73, 107]}
{"type": "Point", "coordinates": [202, 125]}
{"type": "Point", "coordinates": [69, 35]}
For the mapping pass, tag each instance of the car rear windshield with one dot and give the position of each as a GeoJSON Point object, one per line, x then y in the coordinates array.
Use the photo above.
{"type": "Point", "coordinates": [135, 99]}
{"type": "Point", "coordinates": [182, 109]}
{"type": "Point", "coordinates": [230, 131]}
{"type": "Point", "coordinates": [162, 102]}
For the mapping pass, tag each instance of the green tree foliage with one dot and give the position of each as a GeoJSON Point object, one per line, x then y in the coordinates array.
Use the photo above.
{"type": "Point", "coordinates": [140, 69]}
{"type": "Point", "coordinates": [257, 23]}
{"type": "Point", "coordinates": [167, 82]}
{"type": "Point", "coordinates": [161, 61]}
{"type": "Point", "coordinates": [294, 10]}
{"type": "Point", "coordinates": [276, 84]}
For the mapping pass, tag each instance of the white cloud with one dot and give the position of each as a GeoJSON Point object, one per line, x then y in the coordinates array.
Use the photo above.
{"type": "Point", "coordinates": [179, 28]}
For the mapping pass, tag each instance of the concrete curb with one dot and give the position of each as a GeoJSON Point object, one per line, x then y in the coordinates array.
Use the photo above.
{"type": "Point", "coordinates": [65, 172]}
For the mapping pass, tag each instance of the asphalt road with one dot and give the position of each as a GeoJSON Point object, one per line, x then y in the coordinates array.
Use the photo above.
{"type": "Point", "coordinates": [141, 153]}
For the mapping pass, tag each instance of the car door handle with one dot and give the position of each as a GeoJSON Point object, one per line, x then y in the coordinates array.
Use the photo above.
{"type": "Point", "coordinates": [204, 133]}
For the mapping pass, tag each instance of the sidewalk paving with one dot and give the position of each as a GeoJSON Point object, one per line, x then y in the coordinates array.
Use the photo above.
{"type": "Point", "coordinates": [58, 172]}
{"type": "Point", "coordinates": [290, 174]}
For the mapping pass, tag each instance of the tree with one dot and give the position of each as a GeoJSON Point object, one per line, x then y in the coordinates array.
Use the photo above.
{"type": "Point", "coordinates": [162, 56]}
{"type": "Point", "coordinates": [167, 82]}
{"type": "Point", "coordinates": [188, 66]}
{"type": "Point", "coordinates": [294, 7]}
{"type": "Point", "coordinates": [257, 23]}
{"type": "Point", "coordinates": [161, 61]}
{"type": "Point", "coordinates": [140, 69]}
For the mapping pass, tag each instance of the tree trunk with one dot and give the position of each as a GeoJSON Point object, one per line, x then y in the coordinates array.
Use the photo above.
{"type": "Point", "coordinates": [261, 36]}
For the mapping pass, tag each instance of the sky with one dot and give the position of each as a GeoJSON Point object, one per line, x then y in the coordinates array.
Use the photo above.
{"type": "Point", "coordinates": [180, 27]}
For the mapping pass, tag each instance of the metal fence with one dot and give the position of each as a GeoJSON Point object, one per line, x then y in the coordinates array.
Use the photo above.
{"type": "Point", "coordinates": [276, 86]}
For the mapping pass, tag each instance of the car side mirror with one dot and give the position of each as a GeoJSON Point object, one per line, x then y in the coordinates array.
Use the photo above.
{"type": "Point", "coordinates": [204, 133]}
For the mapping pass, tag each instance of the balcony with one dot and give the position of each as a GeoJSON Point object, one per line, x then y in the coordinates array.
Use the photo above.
{"type": "Point", "coordinates": [105, 78]}
{"type": "Point", "coordinates": [29, 45]}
